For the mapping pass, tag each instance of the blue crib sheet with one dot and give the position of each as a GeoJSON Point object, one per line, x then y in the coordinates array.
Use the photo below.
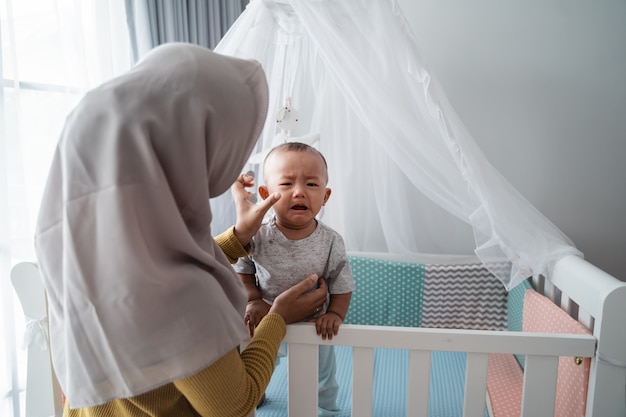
{"type": "Point", "coordinates": [447, 382]}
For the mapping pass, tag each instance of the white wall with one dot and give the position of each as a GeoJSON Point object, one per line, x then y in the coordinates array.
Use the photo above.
{"type": "Point", "coordinates": [541, 84]}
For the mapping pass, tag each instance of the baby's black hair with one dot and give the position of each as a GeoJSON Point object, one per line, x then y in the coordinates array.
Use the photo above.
{"type": "Point", "coordinates": [297, 147]}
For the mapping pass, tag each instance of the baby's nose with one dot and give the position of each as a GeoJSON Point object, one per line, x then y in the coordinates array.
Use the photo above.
{"type": "Point", "coordinates": [298, 190]}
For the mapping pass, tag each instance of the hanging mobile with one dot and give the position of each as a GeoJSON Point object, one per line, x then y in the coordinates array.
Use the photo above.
{"type": "Point", "coordinates": [286, 119]}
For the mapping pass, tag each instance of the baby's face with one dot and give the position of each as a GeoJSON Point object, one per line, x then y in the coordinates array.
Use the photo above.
{"type": "Point", "coordinates": [301, 178]}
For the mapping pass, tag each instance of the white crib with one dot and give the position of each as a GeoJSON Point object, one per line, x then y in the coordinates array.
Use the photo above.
{"type": "Point", "coordinates": [588, 294]}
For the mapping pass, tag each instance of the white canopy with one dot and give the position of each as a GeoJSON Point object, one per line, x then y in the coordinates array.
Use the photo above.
{"type": "Point", "coordinates": [397, 152]}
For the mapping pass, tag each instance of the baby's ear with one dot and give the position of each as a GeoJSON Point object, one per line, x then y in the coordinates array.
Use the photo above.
{"type": "Point", "coordinates": [263, 192]}
{"type": "Point", "coordinates": [327, 195]}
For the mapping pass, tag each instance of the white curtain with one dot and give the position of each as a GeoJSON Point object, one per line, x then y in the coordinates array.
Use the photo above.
{"type": "Point", "coordinates": [407, 175]}
{"type": "Point", "coordinates": [201, 22]}
{"type": "Point", "coordinates": [52, 52]}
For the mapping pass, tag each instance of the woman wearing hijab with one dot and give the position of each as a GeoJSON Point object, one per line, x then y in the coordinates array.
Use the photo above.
{"type": "Point", "coordinates": [145, 308]}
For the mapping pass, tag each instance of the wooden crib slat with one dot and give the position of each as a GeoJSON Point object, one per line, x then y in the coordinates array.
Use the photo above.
{"type": "Point", "coordinates": [418, 383]}
{"type": "Point", "coordinates": [303, 379]}
{"type": "Point", "coordinates": [585, 318]}
{"type": "Point", "coordinates": [539, 391]}
{"type": "Point", "coordinates": [566, 304]}
{"type": "Point", "coordinates": [475, 385]}
{"type": "Point", "coordinates": [362, 381]}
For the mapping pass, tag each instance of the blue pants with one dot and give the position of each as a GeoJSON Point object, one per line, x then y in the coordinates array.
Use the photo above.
{"type": "Point", "coordinates": [327, 383]}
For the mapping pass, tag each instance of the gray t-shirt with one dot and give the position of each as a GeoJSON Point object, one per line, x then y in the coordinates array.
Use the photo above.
{"type": "Point", "coordinates": [280, 263]}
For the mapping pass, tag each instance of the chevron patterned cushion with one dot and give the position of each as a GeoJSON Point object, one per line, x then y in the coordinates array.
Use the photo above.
{"type": "Point", "coordinates": [465, 296]}
{"type": "Point", "coordinates": [388, 293]}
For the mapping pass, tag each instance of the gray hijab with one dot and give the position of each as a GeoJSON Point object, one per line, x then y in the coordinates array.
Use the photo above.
{"type": "Point", "coordinates": [139, 293]}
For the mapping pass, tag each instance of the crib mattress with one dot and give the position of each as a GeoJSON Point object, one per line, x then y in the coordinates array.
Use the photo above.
{"type": "Point", "coordinates": [447, 380]}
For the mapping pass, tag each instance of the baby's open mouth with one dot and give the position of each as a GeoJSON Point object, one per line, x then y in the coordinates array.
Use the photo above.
{"type": "Point", "coordinates": [299, 207]}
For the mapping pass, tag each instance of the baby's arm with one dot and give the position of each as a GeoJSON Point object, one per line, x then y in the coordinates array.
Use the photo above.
{"type": "Point", "coordinates": [256, 308]}
{"type": "Point", "coordinates": [249, 281]}
{"type": "Point", "coordinates": [327, 325]}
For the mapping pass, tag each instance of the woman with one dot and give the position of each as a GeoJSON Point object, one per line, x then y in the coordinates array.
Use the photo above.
{"type": "Point", "coordinates": [146, 313]}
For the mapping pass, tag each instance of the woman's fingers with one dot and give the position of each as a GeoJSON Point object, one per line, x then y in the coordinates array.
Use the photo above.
{"type": "Point", "coordinates": [298, 303]}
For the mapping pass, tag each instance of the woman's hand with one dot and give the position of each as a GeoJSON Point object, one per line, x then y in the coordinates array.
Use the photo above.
{"type": "Point", "coordinates": [299, 303]}
{"type": "Point", "coordinates": [249, 214]}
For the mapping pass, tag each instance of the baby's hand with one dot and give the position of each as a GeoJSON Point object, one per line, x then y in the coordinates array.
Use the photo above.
{"type": "Point", "coordinates": [327, 325]}
{"type": "Point", "coordinates": [255, 311]}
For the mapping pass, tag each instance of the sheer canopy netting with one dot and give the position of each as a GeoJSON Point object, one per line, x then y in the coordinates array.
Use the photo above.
{"type": "Point", "coordinates": [397, 152]}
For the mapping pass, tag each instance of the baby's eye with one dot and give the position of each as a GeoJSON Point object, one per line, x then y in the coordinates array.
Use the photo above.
{"type": "Point", "coordinates": [312, 184]}
{"type": "Point", "coordinates": [285, 184]}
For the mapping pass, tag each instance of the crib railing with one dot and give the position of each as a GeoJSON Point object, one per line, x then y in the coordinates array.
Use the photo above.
{"type": "Point", "coordinates": [540, 375]}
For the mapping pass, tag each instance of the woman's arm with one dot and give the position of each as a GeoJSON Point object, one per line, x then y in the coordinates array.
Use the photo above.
{"type": "Point", "coordinates": [233, 385]}
{"type": "Point", "coordinates": [230, 245]}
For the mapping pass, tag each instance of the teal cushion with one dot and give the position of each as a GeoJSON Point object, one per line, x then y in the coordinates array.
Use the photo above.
{"type": "Point", "coordinates": [388, 293]}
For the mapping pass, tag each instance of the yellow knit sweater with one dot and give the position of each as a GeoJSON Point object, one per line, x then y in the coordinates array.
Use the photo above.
{"type": "Point", "coordinates": [231, 386]}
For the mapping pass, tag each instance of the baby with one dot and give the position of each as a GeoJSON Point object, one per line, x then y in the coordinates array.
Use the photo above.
{"type": "Point", "coordinates": [293, 244]}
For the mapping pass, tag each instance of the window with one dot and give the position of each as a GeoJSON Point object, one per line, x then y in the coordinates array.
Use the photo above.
{"type": "Point", "coordinates": [52, 52]}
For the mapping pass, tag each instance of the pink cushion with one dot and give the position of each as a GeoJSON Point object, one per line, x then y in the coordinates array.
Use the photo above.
{"type": "Point", "coordinates": [505, 377]}
{"type": "Point", "coordinates": [543, 316]}
{"type": "Point", "coordinates": [505, 381]}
